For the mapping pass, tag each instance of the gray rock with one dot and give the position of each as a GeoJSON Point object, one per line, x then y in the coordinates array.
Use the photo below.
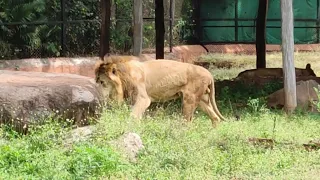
{"type": "Point", "coordinates": [130, 144]}
{"type": "Point", "coordinates": [79, 134]}
{"type": "Point", "coordinates": [30, 97]}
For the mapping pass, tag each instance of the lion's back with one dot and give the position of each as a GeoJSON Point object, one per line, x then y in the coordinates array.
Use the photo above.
{"type": "Point", "coordinates": [166, 78]}
{"type": "Point", "coordinates": [171, 66]}
{"type": "Point", "coordinates": [165, 72]}
{"type": "Point", "coordinates": [262, 72]}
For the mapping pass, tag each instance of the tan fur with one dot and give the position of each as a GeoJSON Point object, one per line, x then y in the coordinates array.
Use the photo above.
{"type": "Point", "coordinates": [273, 73]}
{"type": "Point", "coordinates": [158, 80]}
{"type": "Point", "coordinates": [306, 95]}
{"type": "Point", "coordinates": [109, 74]}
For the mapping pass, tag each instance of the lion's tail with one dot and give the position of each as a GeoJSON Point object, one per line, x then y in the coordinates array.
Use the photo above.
{"type": "Point", "coordinates": [213, 101]}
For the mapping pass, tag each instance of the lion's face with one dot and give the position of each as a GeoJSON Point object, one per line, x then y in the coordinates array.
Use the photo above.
{"type": "Point", "coordinates": [310, 71]}
{"type": "Point", "coordinates": [106, 85]}
{"type": "Point", "coordinates": [109, 81]}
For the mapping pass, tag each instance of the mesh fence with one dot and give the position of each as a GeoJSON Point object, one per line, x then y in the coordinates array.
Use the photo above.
{"type": "Point", "coordinates": [39, 28]}
{"type": "Point", "coordinates": [53, 28]}
{"type": "Point", "coordinates": [83, 32]}
{"type": "Point", "coordinates": [234, 21]}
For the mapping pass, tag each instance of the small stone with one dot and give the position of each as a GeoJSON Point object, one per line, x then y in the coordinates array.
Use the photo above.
{"type": "Point", "coordinates": [79, 134]}
{"type": "Point", "coordinates": [131, 144]}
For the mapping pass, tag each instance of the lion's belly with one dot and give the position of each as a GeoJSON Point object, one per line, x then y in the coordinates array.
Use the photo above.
{"type": "Point", "coordinates": [166, 87]}
{"type": "Point", "coordinates": [166, 78]}
{"type": "Point", "coordinates": [163, 94]}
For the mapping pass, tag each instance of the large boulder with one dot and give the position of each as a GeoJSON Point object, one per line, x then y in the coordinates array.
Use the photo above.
{"type": "Point", "coordinates": [30, 97]}
{"type": "Point", "coordinates": [83, 66]}
{"type": "Point", "coordinates": [306, 95]}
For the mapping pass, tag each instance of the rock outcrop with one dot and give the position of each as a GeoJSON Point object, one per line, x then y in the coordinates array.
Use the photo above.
{"type": "Point", "coordinates": [30, 97]}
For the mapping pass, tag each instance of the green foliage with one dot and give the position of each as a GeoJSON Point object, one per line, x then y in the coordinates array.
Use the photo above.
{"type": "Point", "coordinates": [241, 92]}
{"type": "Point", "coordinates": [43, 154]}
{"type": "Point", "coordinates": [82, 38]}
{"type": "Point", "coordinates": [317, 103]}
{"type": "Point", "coordinates": [121, 31]}
{"type": "Point", "coordinates": [25, 41]}
{"type": "Point", "coordinates": [88, 160]}
{"type": "Point", "coordinates": [20, 39]}
{"type": "Point", "coordinates": [185, 27]}
{"type": "Point", "coordinates": [44, 40]}
{"type": "Point", "coordinates": [256, 105]}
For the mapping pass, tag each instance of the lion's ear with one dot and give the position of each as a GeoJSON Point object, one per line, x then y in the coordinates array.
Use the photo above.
{"type": "Point", "coordinates": [308, 66]}
{"type": "Point", "coordinates": [98, 65]}
{"type": "Point", "coordinates": [113, 72]}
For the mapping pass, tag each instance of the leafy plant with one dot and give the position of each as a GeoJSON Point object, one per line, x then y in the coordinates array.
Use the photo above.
{"type": "Point", "coordinates": [83, 36]}
{"type": "Point", "coordinates": [317, 103]}
{"type": "Point", "coordinates": [22, 38]}
{"type": "Point", "coordinates": [256, 105]}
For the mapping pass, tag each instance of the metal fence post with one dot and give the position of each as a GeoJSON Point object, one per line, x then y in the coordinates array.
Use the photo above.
{"type": "Point", "coordinates": [172, 4]}
{"type": "Point", "coordinates": [159, 25]}
{"type": "Point", "coordinates": [236, 31]}
{"type": "Point", "coordinates": [105, 6]}
{"type": "Point", "coordinates": [63, 27]}
{"type": "Point", "coordinates": [317, 22]}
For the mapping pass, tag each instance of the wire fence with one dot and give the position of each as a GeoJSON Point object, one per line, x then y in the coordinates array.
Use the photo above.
{"type": "Point", "coordinates": [234, 21]}
{"type": "Point", "coordinates": [35, 29]}
{"type": "Point", "coordinates": [55, 28]}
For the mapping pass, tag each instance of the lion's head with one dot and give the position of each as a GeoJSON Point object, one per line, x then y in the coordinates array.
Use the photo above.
{"type": "Point", "coordinates": [310, 71]}
{"type": "Point", "coordinates": [112, 75]}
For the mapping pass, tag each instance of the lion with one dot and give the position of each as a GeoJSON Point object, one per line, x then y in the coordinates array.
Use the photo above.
{"type": "Point", "coordinates": [123, 77]}
{"type": "Point", "coordinates": [273, 73]}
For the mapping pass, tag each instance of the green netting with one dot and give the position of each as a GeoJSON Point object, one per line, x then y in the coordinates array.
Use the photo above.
{"type": "Point", "coordinates": [222, 14]}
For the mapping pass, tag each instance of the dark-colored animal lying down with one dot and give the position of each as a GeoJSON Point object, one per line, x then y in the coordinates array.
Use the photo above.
{"type": "Point", "coordinates": [273, 73]}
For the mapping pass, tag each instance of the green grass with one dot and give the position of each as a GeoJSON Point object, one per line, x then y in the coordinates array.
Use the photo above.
{"type": "Point", "coordinates": [173, 149]}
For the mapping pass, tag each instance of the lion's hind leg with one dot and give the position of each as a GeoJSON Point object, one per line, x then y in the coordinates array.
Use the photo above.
{"type": "Point", "coordinates": [206, 106]}
{"type": "Point", "coordinates": [188, 106]}
{"type": "Point", "coordinates": [192, 94]}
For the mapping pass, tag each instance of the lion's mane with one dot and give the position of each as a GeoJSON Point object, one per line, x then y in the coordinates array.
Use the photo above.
{"type": "Point", "coordinates": [122, 66]}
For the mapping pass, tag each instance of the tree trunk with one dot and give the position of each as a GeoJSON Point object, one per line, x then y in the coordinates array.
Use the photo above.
{"type": "Point", "coordinates": [288, 56]}
{"type": "Point", "coordinates": [159, 24]}
{"type": "Point", "coordinates": [137, 27]}
{"type": "Point", "coordinates": [172, 8]}
{"type": "Point", "coordinates": [105, 28]}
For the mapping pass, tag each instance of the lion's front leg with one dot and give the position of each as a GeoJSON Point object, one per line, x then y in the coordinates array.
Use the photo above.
{"type": "Point", "coordinates": [140, 107]}
{"type": "Point", "coordinates": [142, 102]}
